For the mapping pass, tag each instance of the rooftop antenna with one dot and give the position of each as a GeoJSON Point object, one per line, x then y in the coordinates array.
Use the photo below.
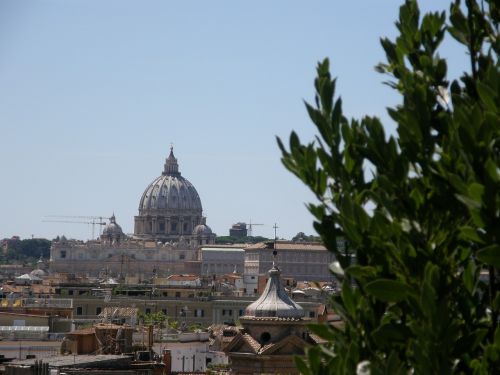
{"type": "Point", "coordinates": [275, 252]}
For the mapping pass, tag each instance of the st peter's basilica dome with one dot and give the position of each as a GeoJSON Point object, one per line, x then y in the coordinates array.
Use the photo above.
{"type": "Point", "coordinates": [169, 207]}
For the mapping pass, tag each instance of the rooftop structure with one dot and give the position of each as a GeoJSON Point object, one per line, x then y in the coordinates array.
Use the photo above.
{"type": "Point", "coordinates": [222, 259]}
{"type": "Point", "coordinates": [238, 230]}
{"type": "Point", "coordinates": [299, 260]}
{"type": "Point", "coordinates": [273, 332]}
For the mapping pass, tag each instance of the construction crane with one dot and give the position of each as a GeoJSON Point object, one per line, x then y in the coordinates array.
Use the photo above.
{"type": "Point", "coordinates": [250, 226]}
{"type": "Point", "coordinates": [91, 220]}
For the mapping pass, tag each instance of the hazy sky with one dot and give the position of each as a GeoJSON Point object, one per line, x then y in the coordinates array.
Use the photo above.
{"type": "Point", "coordinates": [92, 93]}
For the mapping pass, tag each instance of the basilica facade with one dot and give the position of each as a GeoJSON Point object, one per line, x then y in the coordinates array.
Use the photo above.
{"type": "Point", "coordinates": [168, 231]}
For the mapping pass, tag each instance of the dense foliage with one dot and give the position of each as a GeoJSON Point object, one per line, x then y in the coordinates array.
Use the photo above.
{"type": "Point", "coordinates": [420, 209]}
{"type": "Point", "coordinates": [302, 237]}
{"type": "Point", "coordinates": [247, 239]}
{"type": "Point", "coordinates": [25, 251]}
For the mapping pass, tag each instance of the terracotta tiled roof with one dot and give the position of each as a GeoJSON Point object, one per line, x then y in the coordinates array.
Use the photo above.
{"type": "Point", "coordinates": [118, 312]}
{"type": "Point", "coordinates": [266, 347]}
{"type": "Point", "coordinates": [100, 326]}
{"type": "Point", "coordinates": [182, 278]}
{"type": "Point", "coordinates": [226, 246]}
{"type": "Point", "coordinates": [83, 331]}
{"type": "Point", "coordinates": [35, 288]}
{"type": "Point", "coordinates": [231, 276]}
{"type": "Point", "coordinates": [317, 339]}
{"type": "Point", "coordinates": [254, 344]}
{"type": "Point", "coordinates": [273, 318]}
{"type": "Point", "coordinates": [285, 245]}
{"type": "Point", "coordinates": [11, 313]}
{"type": "Point", "coordinates": [312, 284]}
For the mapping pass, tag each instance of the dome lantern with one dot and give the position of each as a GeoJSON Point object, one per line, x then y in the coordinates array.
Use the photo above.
{"type": "Point", "coordinates": [171, 167]}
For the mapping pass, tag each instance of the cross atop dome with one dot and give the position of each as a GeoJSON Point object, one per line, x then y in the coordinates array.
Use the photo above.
{"type": "Point", "coordinates": [171, 168]}
{"type": "Point", "coordinates": [275, 248]}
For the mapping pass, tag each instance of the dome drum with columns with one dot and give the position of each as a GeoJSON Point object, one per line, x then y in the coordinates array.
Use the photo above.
{"type": "Point", "coordinates": [170, 207]}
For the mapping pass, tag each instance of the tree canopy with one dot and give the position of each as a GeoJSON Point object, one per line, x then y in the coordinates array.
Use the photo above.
{"type": "Point", "coordinates": [232, 240]}
{"type": "Point", "coordinates": [27, 250]}
{"type": "Point", "coordinates": [420, 209]}
{"type": "Point", "coordinates": [302, 237]}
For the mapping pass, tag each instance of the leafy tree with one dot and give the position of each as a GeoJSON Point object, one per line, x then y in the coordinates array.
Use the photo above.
{"type": "Point", "coordinates": [35, 247]}
{"type": "Point", "coordinates": [420, 209]}
{"type": "Point", "coordinates": [232, 240]}
{"type": "Point", "coordinates": [301, 236]}
{"type": "Point", "coordinates": [154, 318]}
{"type": "Point", "coordinates": [28, 250]}
{"type": "Point", "coordinates": [174, 324]}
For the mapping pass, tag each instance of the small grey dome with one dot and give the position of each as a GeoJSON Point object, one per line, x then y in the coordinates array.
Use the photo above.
{"type": "Point", "coordinates": [38, 273]}
{"type": "Point", "coordinates": [274, 301]}
{"type": "Point", "coordinates": [112, 229]}
{"type": "Point", "coordinates": [202, 230]}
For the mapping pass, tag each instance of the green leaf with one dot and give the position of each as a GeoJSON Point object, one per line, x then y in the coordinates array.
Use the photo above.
{"type": "Point", "coordinates": [302, 366]}
{"type": "Point", "coordinates": [349, 299]}
{"type": "Point", "coordinates": [470, 203]}
{"type": "Point", "coordinates": [361, 272]}
{"type": "Point", "coordinates": [428, 299]}
{"type": "Point", "coordinates": [476, 191]}
{"type": "Point", "coordinates": [492, 170]}
{"type": "Point", "coordinates": [469, 277]}
{"type": "Point", "coordinates": [470, 234]}
{"type": "Point", "coordinates": [497, 336]}
{"type": "Point", "coordinates": [394, 365]}
{"type": "Point", "coordinates": [417, 197]}
{"type": "Point", "coordinates": [490, 255]}
{"type": "Point", "coordinates": [388, 290]}
{"type": "Point", "coordinates": [387, 334]}
{"type": "Point", "coordinates": [322, 330]}
{"type": "Point", "coordinates": [458, 35]}
{"type": "Point", "coordinates": [487, 95]}
{"type": "Point", "coordinates": [457, 183]}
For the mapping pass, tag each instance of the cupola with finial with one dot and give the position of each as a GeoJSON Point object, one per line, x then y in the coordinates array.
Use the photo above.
{"type": "Point", "coordinates": [273, 330]}
{"type": "Point", "coordinates": [171, 167]}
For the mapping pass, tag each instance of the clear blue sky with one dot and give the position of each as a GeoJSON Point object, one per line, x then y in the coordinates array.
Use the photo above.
{"type": "Point", "coordinates": [92, 93]}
